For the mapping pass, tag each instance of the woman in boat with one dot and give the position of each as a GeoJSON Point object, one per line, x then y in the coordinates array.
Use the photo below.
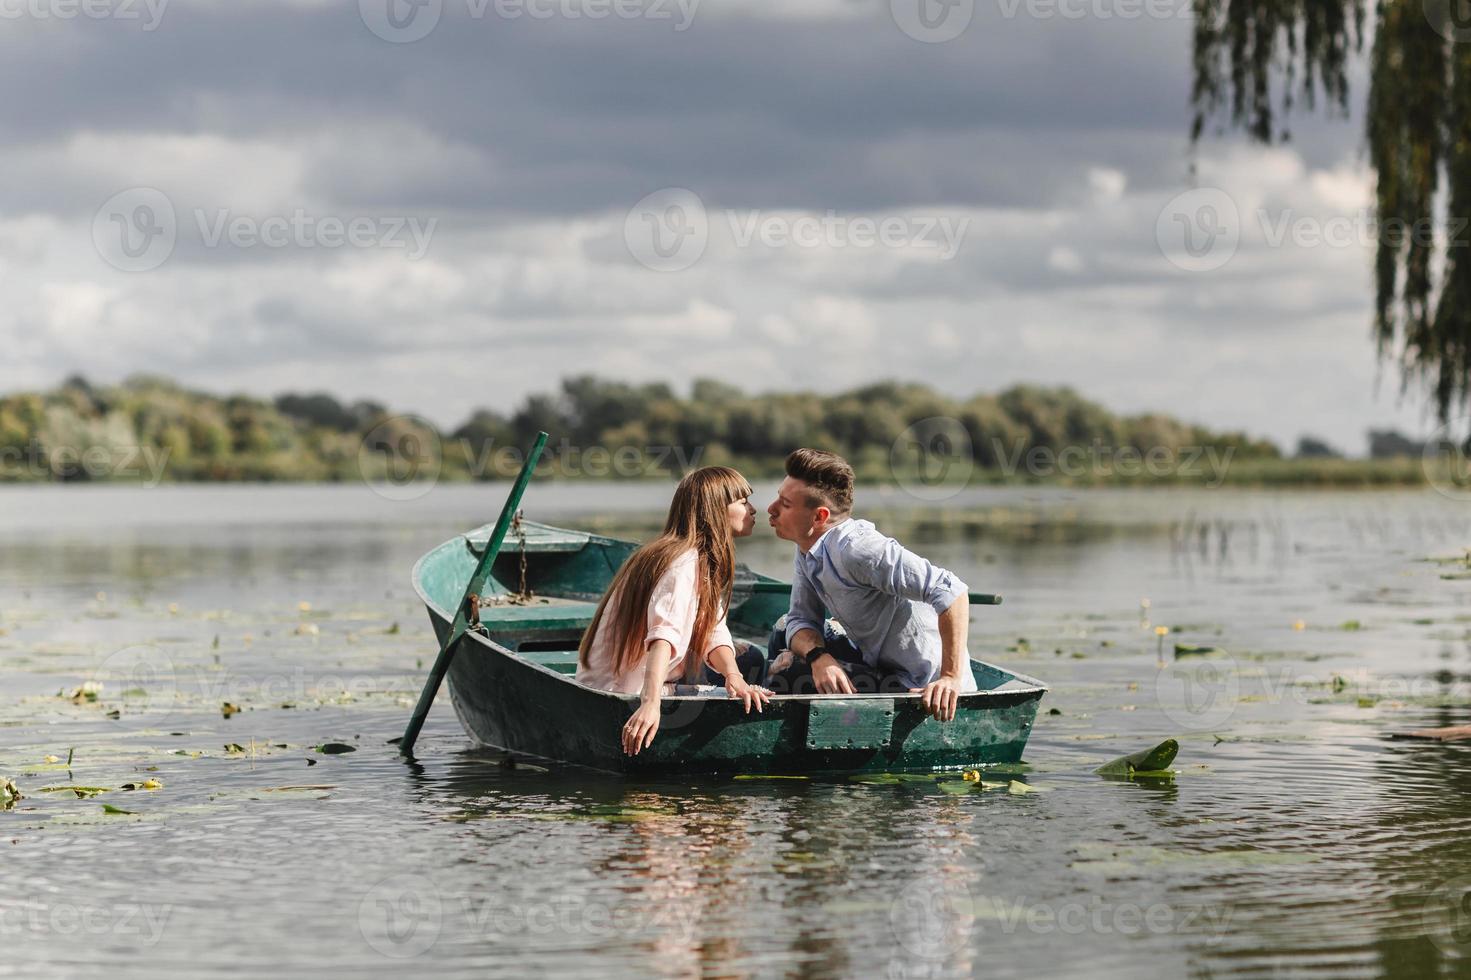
{"type": "Point", "coordinates": [663, 615]}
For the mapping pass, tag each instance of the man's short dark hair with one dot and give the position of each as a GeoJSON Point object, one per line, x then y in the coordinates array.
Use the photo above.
{"type": "Point", "coordinates": [829, 476]}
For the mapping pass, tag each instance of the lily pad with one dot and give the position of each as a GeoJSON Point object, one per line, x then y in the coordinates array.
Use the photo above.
{"type": "Point", "coordinates": [1018, 788]}
{"type": "Point", "coordinates": [636, 812]}
{"type": "Point", "coordinates": [1145, 762]}
{"type": "Point", "coordinates": [86, 694]}
{"type": "Point", "coordinates": [335, 748]}
{"type": "Point", "coordinates": [109, 808]}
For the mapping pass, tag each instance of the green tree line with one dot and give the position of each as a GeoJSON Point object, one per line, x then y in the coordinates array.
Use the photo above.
{"type": "Point", "coordinates": [599, 428]}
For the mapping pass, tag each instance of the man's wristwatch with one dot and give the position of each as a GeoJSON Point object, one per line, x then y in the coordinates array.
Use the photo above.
{"type": "Point", "coordinates": [814, 653]}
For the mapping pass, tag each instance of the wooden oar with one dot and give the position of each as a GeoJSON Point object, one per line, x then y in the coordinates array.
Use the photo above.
{"type": "Point", "coordinates": [477, 582]}
{"type": "Point", "coordinates": [1455, 733]}
{"type": "Point", "coordinates": [785, 588]}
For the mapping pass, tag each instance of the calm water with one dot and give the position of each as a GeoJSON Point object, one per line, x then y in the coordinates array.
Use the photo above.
{"type": "Point", "coordinates": [1295, 839]}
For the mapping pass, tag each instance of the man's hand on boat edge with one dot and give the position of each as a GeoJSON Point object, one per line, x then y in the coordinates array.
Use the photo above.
{"type": "Point", "coordinates": [939, 697]}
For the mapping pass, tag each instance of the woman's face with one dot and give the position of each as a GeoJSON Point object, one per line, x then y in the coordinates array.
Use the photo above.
{"type": "Point", "coordinates": [742, 517]}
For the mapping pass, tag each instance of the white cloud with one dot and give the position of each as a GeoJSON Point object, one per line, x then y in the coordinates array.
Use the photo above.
{"type": "Point", "coordinates": [1064, 259]}
{"type": "Point", "coordinates": [1108, 184]}
{"type": "Point", "coordinates": [1346, 187]}
{"type": "Point", "coordinates": [700, 322]}
{"type": "Point", "coordinates": [204, 170]}
{"type": "Point", "coordinates": [943, 337]}
{"type": "Point", "coordinates": [829, 319]}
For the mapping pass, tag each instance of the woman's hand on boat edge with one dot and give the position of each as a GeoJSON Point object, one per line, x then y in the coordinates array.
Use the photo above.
{"type": "Point", "coordinates": [750, 694]}
{"type": "Point", "coordinates": [642, 725]}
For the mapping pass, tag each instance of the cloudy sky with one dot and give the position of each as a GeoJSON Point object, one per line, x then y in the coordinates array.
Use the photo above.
{"type": "Point", "coordinates": [443, 204]}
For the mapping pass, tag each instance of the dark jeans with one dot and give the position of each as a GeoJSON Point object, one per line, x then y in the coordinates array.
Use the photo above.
{"type": "Point", "coordinates": [797, 678]}
{"type": "Point", "coordinates": [750, 661]}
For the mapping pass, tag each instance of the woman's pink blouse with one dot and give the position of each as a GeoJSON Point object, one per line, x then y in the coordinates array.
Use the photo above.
{"type": "Point", "coordinates": [672, 608]}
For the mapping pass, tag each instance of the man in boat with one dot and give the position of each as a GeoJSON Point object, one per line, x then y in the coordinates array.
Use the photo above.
{"type": "Point", "coordinates": [902, 622]}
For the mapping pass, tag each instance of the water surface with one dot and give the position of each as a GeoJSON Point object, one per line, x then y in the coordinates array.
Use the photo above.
{"type": "Point", "coordinates": [1294, 840]}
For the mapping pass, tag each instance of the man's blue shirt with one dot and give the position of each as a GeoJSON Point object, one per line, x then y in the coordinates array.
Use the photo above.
{"type": "Point", "coordinates": [888, 599]}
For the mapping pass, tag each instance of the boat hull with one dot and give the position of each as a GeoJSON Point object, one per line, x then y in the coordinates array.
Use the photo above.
{"type": "Point", "coordinates": [505, 703]}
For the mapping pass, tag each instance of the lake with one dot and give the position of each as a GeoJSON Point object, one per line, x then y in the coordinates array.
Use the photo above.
{"type": "Point", "coordinates": [237, 631]}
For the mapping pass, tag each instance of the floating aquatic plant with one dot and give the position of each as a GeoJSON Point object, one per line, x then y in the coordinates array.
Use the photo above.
{"type": "Point", "coordinates": [1195, 650]}
{"type": "Point", "coordinates": [1147, 762]}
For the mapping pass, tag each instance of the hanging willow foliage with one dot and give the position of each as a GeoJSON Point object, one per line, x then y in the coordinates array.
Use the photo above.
{"type": "Point", "coordinates": [1445, 352]}
{"type": "Point", "coordinates": [1418, 128]}
{"type": "Point", "coordinates": [1406, 147]}
{"type": "Point", "coordinates": [1238, 43]}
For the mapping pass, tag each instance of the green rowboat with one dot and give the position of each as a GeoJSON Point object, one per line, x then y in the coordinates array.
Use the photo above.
{"type": "Point", "coordinates": [511, 679]}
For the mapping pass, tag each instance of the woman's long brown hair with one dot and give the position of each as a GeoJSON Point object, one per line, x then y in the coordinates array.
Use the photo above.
{"type": "Point", "coordinates": [698, 518]}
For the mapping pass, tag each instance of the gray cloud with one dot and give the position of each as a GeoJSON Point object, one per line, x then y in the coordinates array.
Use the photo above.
{"type": "Point", "coordinates": [562, 117]}
{"type": "Point", "coordinates": [1059, 139]}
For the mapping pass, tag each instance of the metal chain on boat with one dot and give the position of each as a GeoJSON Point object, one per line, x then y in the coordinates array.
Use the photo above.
{"type": "Point", "coordinates": [472, 617]}
{"type": "Point", "coordinates": [523, 594]}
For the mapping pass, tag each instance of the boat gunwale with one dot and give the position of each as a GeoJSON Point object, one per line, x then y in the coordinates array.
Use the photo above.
{"type": "Point", "coordinates": [1031, 685]}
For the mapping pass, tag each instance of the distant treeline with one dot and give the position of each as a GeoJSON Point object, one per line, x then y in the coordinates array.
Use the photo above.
{"type": "Point", "coordinates": [150, 428]}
